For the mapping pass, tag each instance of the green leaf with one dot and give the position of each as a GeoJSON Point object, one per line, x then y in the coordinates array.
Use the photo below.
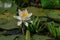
{"type": "Point", "coordinates": [8, 23]}
{"type": "Point", "coordinates": [11, 37]}
{"type": "Point", "coordinates": [40, 37]}
{"type": "Point", "coordinates": [52, 29]}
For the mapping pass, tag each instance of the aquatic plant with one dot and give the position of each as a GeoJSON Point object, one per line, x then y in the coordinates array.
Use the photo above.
{"type": "Point", "coordinates": [24, 18]}
{"type": "Point", "coordinates": [55, 31]}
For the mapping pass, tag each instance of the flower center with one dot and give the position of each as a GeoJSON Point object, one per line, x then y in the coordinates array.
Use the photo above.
{"type": "Point", "coordinates": [24, 14]}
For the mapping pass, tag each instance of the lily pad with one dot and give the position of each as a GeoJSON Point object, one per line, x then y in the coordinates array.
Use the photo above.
{"type": "Point", "coordinates": [40, 37]}
{"type": "Point", "coordinates": [11, 37]}
{"type": "Point", "coordinates": [8, 23]}
{"type": "Point", "coordinates": [22, 37]}
{"type": "Point", "coordinates": [54, 16]}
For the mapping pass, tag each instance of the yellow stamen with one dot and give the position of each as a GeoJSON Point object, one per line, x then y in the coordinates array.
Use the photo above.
{"type": "Point", "coordinates": [24, 14]}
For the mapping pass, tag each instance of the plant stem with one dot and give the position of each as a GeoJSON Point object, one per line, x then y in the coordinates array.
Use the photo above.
{"type": "Point", "coordinates": [22, 28]}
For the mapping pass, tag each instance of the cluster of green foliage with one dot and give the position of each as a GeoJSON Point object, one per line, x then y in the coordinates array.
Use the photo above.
{"type": "Point", "coordinates": [50, 3]}
{"type": "Point", "coordinates": [36, 27]}
{"type": "Point", "coordinates": [54, 30]}
{"type": "Point", "coordinates": [54, 25]}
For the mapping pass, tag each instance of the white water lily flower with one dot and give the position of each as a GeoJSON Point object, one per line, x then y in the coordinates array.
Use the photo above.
{"type": "Point", "coordinates": [23, 17]}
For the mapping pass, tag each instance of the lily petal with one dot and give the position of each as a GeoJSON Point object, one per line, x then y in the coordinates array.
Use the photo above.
{"type": "Point", "coordinates": [25, 11]}
{"type": "Point", "coordinates": [28, 18]}
{"type": "Point", "coordinates": [30, 14]}
{"type": "Point", "coordinates": [19, 23]}
{"type": "Point", "coordinates": [17, 17]}
{"type": "Point", "coordinates": [26, 24]}
{"type": "Point", "coordinates": [19, 11]}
